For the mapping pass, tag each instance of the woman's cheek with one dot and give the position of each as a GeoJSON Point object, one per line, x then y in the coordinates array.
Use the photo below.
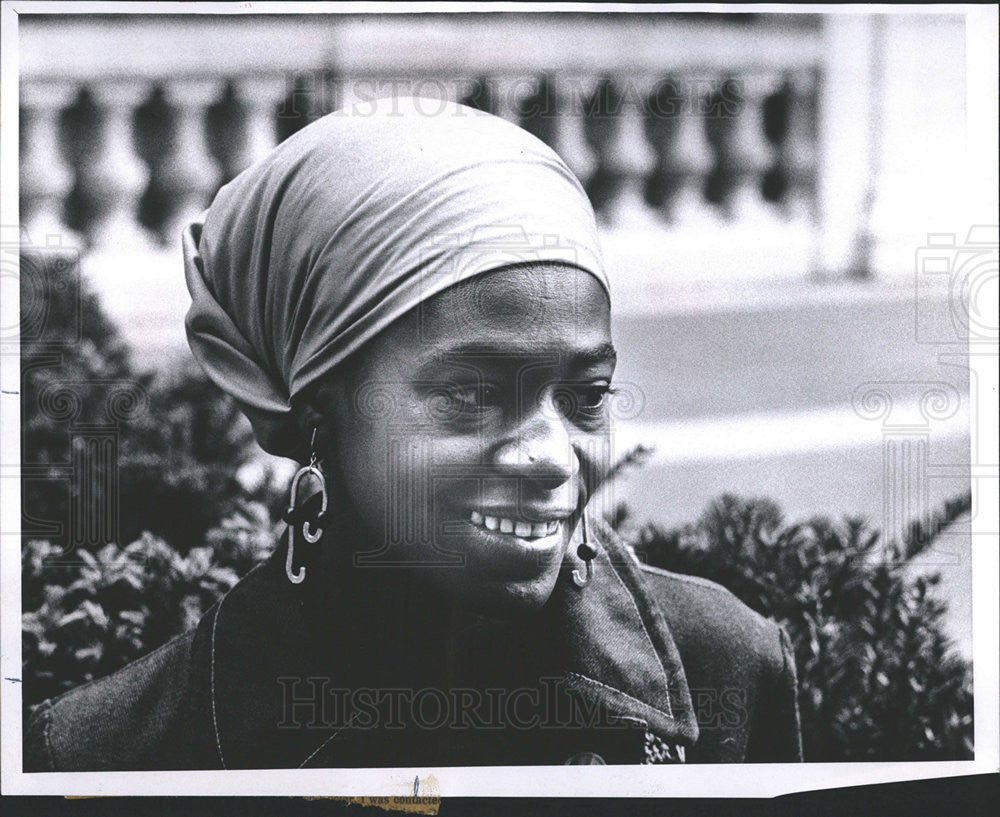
{"type": "Point", "coordinates": [594, 453]}
{"type": "Point", "coordinates": [388, 466]}
{"type": "Point", "coordinates": [464, 449]}
{"type": "Point", "coordinates": [361, 455]}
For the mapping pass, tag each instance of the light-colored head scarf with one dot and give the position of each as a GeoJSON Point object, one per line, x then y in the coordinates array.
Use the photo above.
{"type": "Point", "coordinates": [352, 222]}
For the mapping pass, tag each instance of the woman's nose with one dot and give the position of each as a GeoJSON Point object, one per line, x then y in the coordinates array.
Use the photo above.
{"type": "Point", "coordinates": [540, 451]}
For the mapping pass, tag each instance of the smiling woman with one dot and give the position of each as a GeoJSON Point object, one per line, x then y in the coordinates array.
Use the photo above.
{"type": "Point", "coordinates": [513, 421]}
{"type": "Point", "coordinates": [413, 306]}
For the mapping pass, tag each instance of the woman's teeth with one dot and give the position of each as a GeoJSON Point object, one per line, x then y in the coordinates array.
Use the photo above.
{"type": "Point", "coordinates": [525, 530]}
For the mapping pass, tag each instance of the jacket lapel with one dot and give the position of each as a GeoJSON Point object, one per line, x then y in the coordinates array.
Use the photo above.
{"type": "Point", "coordinates": [617, 649]}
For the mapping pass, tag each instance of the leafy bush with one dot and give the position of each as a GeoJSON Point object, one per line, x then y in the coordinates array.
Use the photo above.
{"type": "Point", "coordinates": [90, 618]}
{"type": "Point", "coordinates": [878, 679]}
{"type": "Point", "coordinates": [183, 452]}
{"type": "Point", "coordinates": [180, 441]}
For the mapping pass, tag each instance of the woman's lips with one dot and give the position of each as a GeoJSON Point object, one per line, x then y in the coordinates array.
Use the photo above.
{"type": "Point", "coordinates": [515, 547]}
{"type": "Point", "coordinates": [519, 528]}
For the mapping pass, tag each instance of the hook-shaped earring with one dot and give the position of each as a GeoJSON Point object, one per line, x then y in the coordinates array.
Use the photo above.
{"type": "Point", "coordinates": [585, 551]}
{"type": "Point", "coordinates": [293, 515]}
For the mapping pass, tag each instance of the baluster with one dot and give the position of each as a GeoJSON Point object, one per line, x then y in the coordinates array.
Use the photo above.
{"type": "Point", "coordinates": [242, 124]}
{"type": "Point", "coordinates": [797, 150]}
{"type": "Point", "coordinates": [359, 92]}
{"type": "Point", "coordinates": [48, 250]}
{"type": "Point", "coordinates": [752, 155]}
{"type": "Point", "coordinates": [111, 177]}
{"type": "Point", "coordinates": [302, 104]}
{"type": "Point", "coordinates": [500, 96]}
{"type": "Point", "coordinates": [675, 129]}
{"type": "Point", "coordinates": [480, 95]}
{"type": "Point", "coordinates": [454, 89]}
{"type": "Point", "coordinates": [226, 130]}
{"type": "Point", "coordinates": [45, 178]}
{"type": "Point", "coordinates": [171, 137]}
{"type": "Point", "coordinates": [554, 113]}
{"type": "Point", "coordinates": [598, 134]}
{"type": "Point", "coordinates": [191, 174]}
{"type": "Point", "coordinates": [624, 159]}
{"type": "Point", "coordinates": [261, 97]}
{"type": "Point", "coordinates": [111, 180]}
{"type": "Point", "coordinates": [735, 127]}
{"type": "Point", "coordinates": [331, 93]}
{"type": "Point", "coordinates": [154, 138]}
{"type": "Point", "coordinates": [571, 127]}
{"type": "Point", "coordinates": [510, 95]}
{"type": "Point", "coordinates": [537, 111]}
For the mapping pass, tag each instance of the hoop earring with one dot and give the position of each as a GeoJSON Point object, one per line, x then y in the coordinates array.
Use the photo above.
{"type": "Point", "coordinates": [587, 552]}
{"type": "Point", "coordinates": [294, 516]}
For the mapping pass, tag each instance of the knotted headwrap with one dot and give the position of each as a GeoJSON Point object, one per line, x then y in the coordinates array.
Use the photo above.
{"type": "Point", "coordinates": [352, 222]}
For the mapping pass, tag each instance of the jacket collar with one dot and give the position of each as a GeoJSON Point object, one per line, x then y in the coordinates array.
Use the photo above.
{"type": "Point", "coordinates": [269, 673]}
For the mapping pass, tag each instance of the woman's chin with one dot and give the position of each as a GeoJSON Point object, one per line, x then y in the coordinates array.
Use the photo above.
{"type": "Point", "coordinates": [510, 599]}
{"type": "Point", "coordinates": [500, 577]}
{"type": "Point", "coordinates": [504, 556]}
{"type": "Point", "coordinates": [488, 572]}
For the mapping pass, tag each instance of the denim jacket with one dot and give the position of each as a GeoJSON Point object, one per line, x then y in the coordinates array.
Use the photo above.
{"type": "Point", "coordinates": [639, 666]}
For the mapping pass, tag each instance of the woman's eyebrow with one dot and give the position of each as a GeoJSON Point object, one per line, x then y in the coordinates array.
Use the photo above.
{"type": "Point", "coordinates": [576, 358]}
{"type": "Point", "coordinates": [605, 353]}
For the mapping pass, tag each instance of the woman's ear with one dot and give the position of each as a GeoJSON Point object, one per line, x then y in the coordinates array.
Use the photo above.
{"type": "Point", "coordinates": [309, 418]}
{"type": "Point", "coordinates": [317, 411]}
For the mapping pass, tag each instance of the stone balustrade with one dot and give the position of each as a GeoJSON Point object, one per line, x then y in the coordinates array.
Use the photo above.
{"type": "Point", "coordinates": [654, 152]}
{"type": "Point", "coordinates": [698, 145]}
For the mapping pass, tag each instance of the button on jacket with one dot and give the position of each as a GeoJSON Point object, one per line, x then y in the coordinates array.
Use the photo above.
{"type": "Point", "coordinates": [640, 666]}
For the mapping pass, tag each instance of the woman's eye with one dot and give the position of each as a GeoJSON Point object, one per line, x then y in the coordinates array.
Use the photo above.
{"type": "Point", "coordinates": [454, 401]}
{"type": "Point", "coordinates": [594, 396]}
{"type": "Point", "coordinates": [479, 396]}
{"type": "Point", "coordinates": [573, 400]}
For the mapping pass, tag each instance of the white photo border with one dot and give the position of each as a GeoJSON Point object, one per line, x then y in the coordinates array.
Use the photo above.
{"type": "Point", "coordinates": [741, 780]}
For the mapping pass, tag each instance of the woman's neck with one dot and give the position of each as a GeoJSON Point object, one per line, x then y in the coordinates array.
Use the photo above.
{"type": "Point", "coordinates": [399, 628]}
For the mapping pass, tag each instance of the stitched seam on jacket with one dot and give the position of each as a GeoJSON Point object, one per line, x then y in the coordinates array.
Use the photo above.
{"type": "Point", "coordinates": [649, 640]}
{"type": "Point", "coordinates": [770, 671]}
{"type": "Point", "coordinates": [613, 689]}
{"type": "Point", "coordinates": [609, 532]}
{"type": "Point", "coordinates": [215, 719]}
{"type": "Point", "coordinates": [215, 622]}
{"type": "Point", "coordinates": [316, 751]}
{"type": "Point", "coordinates": [787, 653]}
{"type": "Point", "coordinates": [790, 673]}
{"type": "Point", "coordinates": [47, 740]}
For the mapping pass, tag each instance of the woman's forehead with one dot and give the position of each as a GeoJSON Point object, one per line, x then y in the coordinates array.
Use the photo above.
{"type": "Point", "coordinates": [558, 314]}
{"type": "Point", "coordinates": [544, 303]}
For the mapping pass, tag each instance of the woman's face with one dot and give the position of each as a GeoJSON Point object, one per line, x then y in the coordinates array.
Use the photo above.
{"type": "Point", "coordinates": [471, 433]}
